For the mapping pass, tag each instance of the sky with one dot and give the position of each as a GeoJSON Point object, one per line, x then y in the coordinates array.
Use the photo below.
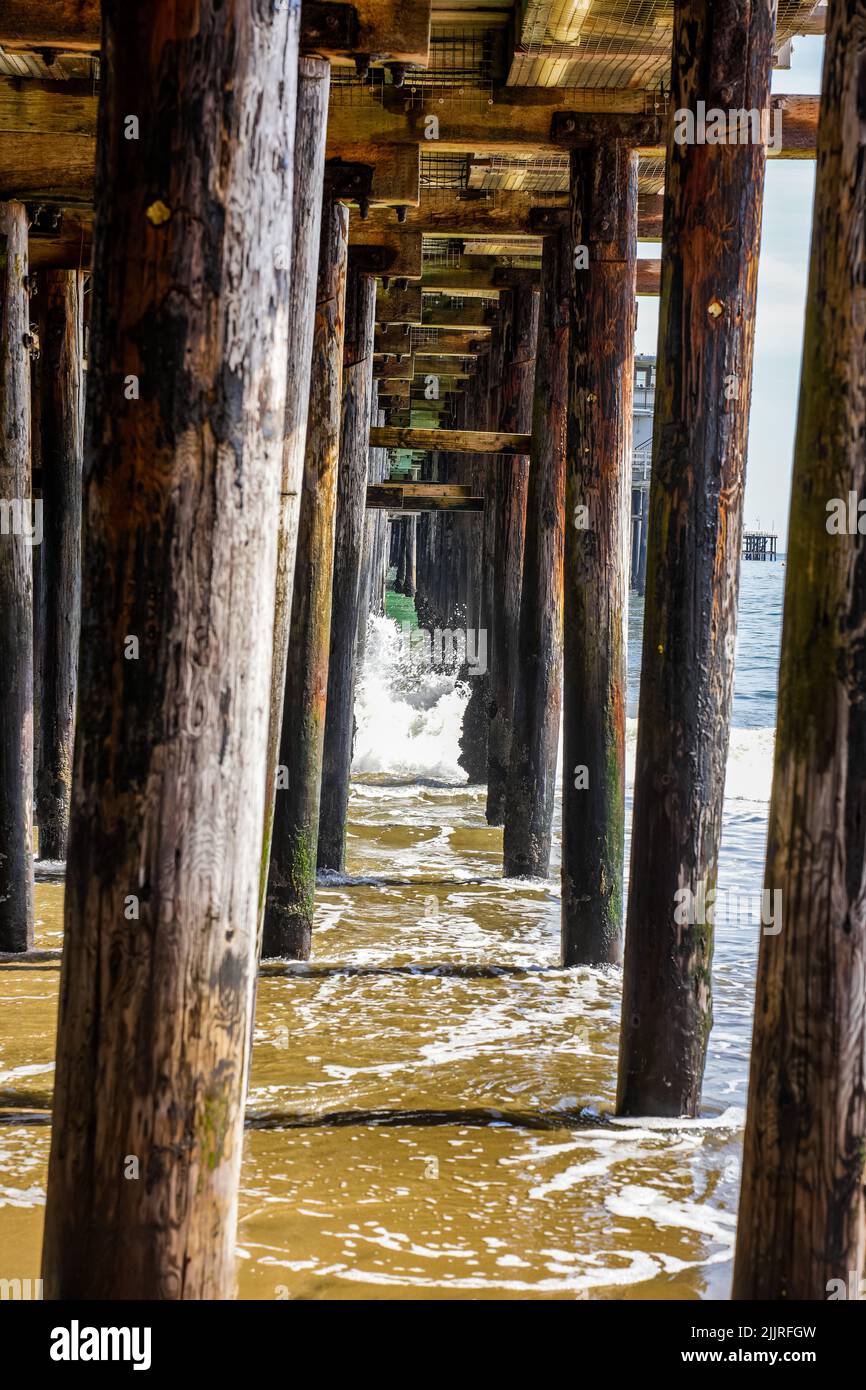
{"type": "Point", "coordinates": [782, 275]}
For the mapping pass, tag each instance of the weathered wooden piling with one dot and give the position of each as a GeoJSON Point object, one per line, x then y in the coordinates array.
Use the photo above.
{"type": "Point", "coordinates": [598, 476]}
{"type": "Point", "coordinates": [351, 505]}
{"type": "Point", "coordinates": [537, 705]}
{"type": "Point", "coordinates": [16, 589]}
{"type": "Point", "coordinates": [475, 734]}
{"type": "Point", "coordinates": [410, 550]}
{"type": "Point", "coordinates": [712, 227]}
{"type": "Point", "coordinates": [377, 466]}
{"type": "Point", "coordinates": [61, 411]}
{"type": "Point", "coordinates": [186, 397]}
{"type": "Point", "coordinates": [802, 1221]}
{"type": "Point", "coordinates": [512, 475]}
{"type": "Point", "coordinates": [644, 534]}
{"type": "Point", "coordinates": [301, 258]}
{"type": "Point", "coordinates": [288, 922]}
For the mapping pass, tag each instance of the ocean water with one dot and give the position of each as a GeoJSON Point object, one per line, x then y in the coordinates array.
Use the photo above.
{"type": "Point", "coordinates": [430, 1113]}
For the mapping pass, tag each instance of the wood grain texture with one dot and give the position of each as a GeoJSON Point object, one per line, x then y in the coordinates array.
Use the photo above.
{"type": "Point", "coordinates": [598, 476]}
{"type": "Point", "coordinates": [348, 547]}
{"type": "Point", "coordinates": [453, 441]}
{"type": "Point", "coordinates": [712, 229]}
{"type": "Point", "coordinates": [16, 590]}
{"type": "Point", "coordinates": [509, 520]}
{"type": "Point", "coordinates": [181, 496]}
{"type": "Point", "coordinates": [314, 80]}
{"type": "Point", "coordinates": [288, 922]}
{"type": "Point", "coordinates": [475, 734]}
{"type": "Point", "coordinates": [537, 703]}
{"type": "Point", "coordinates": [801, 1216]}
{"type": "Point", "coordinates": [61, 409]}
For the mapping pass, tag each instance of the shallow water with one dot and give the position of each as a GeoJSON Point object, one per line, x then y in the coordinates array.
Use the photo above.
{"type": "Point", "coordinates": [431, 1096]}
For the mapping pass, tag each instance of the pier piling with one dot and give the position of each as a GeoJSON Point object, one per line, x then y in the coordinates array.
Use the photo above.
{"type": "Point", "coordinates": [801, 1231]}
{"type": "Point", "coordinates": [711, 238]}
{"type": "Point", "coordinates": [185, 401]}
{"type": "Point", "coordinates": [537, 701]}
{"type": "Point", "coordinates": [288, 920]}
{"type": "Point", "coordinates": [351, 506]}
{"type": "Point", "coordinates": [16, 589]}
{"type": "Point", "coordinates": [598, 479]}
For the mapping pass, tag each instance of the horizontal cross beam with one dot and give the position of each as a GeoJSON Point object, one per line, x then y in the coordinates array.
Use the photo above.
{"type": "Point", "coordinates": [451, 441]}
{"type": "Point", "coordinates": [422, 497]}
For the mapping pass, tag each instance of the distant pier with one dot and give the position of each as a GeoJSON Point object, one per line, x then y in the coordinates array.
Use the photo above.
{"type": "Point", "coordinates": [759, 545]}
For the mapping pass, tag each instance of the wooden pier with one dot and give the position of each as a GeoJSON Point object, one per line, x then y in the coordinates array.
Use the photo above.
{"type": "Point", "coordinates": [759, 545]}
{"type": "Point", "coordinates": [355, 288]}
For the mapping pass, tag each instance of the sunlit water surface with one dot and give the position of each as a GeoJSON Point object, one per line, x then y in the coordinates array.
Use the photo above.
{"type": "Point", "coordinates": [433, 1093]}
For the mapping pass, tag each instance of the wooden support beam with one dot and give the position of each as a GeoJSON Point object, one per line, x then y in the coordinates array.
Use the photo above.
{"type": "Point", "coordinates": [395, 178]}
{"type": "Point", "coordinates": [395, 306]}
{"type": "Point", "coordinates": [383, 247]}
{"type": "Point", "coordinates": [71, 248]}
{"type": "Point", "coordinates": [314, 80]}
{"type": "Point", "coordinates": [394, 368]}
{"type": "Point", "coordinates": [707, 315]}
{"type": "Point", "coordinates": [475, 315]}
{"type": "Point", "coordinates": [598, 475]}
{"type": "Point", "coordinates": [801, 1232]}
{"type": "Point", "coordinates": [61, 433]}
{"type": "Point", "coordinates": [457, 342]}
{"type": "Point", "coordinates": [468, 283]}
{"type": "Point", "coordinates": [649, 277]}
{"type": "Point", "coordinates": [186, 395]}
{"type": "Point", "coordinates": [48, 146]}
{"type": "Point", "coordinates": [53, 125]}
{"type": "Point", "coordinates": [454, 441]}
{"type": "Point", "coordinates": [511, 121]}
{"type": "Point", "coordinates": [446, 368]}
{"type": "Point", "coordinates": [66, 24]}
{"type": "Point", "coordinates": [288, 921]}
{"type": "Point", "coordinates": [509, 213]}
{"type": "Point", "coordinates": [515, 413]}
{"type": "Point", "coordinates": [18, 523]}
{"type": "Point", "coordinates": [398, 30]}
{"type": "Point", "coordinates": [394, 390]}
{"type": "Point", "coordinates": [423, 497]}
{"type": "Point", "coordinates": [537, 704]}
{"type": "Point", "coordinates": [351, 499]}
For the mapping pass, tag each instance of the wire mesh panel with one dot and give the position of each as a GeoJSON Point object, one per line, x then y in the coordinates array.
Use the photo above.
{"type": "Point", "coordinates": [611, 43]}
{"type": "Point", "coordinates": [348, 89]}
{"type": "Point", "coordinates": [461, 69]}
{"type": "Point", "coordinates": [443, 176]}
{"type": "Point", "coordinates": [441, 251]}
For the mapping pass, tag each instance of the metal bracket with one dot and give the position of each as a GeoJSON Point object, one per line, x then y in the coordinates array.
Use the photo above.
{"type": "Point", "coordinates": [543, 220]}
{"type": "Point", "coordinates": [572, 128]}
